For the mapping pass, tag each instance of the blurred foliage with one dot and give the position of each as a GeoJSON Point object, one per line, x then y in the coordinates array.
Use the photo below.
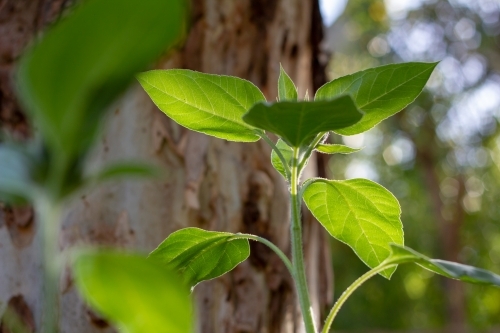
{"type": "Point", "coordinates": [449, 136]}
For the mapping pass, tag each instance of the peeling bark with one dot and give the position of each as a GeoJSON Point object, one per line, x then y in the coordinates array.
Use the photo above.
{"type": "Point", "coordinates": [208, 183]}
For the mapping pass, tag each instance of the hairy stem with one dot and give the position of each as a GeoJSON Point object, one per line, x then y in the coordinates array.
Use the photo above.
{"type": "Point", "coordinates": [348, 292]}
{"type": "Point", "coordinates": [297, 250]}
{"type": "Point", "coordinates": [50, 216]}
{"type": "Point", "coordinates": [269, 244]}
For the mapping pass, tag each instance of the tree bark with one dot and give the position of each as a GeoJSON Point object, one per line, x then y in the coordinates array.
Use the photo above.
{"type": "Point", "coordinates": [209, 183]}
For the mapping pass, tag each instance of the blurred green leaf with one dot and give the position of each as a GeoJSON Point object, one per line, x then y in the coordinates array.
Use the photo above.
{"type": "Point", "coordinates": [206, 103]}
{"type": "Point", "coordinates": [125, 169]}
{"type": "Point", "coordinates": [452, 270]}
{"type": "Point", "coordinates": [16, 173]}
{"type": "Point", "coordinates": [287, 153]}
{"type": "Point", "coordinates": [335, 149]}
{"type": "Point", "coordinates": [360, 213]}
{"type": "Point", "coordinates": [380, 92]}
{"type": "Point", "coordinates": [286, 87]}
{"type": "Point", "coordinates": [82, 63]}
{"type": "Point", "coordinates": [201, 255]}
{"type": "Point", "coordinates": [298, 122]}
{"type": "Point", "coordinates": [133, 292]}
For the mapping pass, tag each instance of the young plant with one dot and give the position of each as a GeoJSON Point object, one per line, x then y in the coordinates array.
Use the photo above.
{"type": "Point", "coordinates": [357, 212]}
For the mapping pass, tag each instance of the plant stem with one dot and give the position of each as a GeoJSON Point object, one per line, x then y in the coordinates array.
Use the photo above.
{"type": "Point", "coordinates": [273, 247]}
{"type": "Point", "coordinates": [297, 251]}
{"type": "Point", "coordinates": [348, 292]}
{"type": "Point", "coordinates": [310, 149]}
{"type": "Point", "coordinates": [277, 151]}
{"type": "Point", "coordinates": [50, 216]}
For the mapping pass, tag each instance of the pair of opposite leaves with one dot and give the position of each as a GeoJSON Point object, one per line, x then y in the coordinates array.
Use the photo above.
{"type": "Point", "coordinates": [233, 109]}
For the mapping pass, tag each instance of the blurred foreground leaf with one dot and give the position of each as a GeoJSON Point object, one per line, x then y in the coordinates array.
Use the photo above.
{"type": "Point", "coordinates": [133, 292]}
{"type": "Point", "coordinates": [80, 65]}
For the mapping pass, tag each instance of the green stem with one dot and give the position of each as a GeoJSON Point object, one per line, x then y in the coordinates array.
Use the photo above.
{"type": "Point", "coordinates": [297, 251]}
{"type": "Point", "coordinates": [348, 292]}
{"type": "Point", "coordinates": [50, 216]}
{"type": "Point", "coordinates": [310, 149]}
{"type": "Point", "coordinates": [273, 247]}
{"type": "Point", "coordinates": [277, 151]}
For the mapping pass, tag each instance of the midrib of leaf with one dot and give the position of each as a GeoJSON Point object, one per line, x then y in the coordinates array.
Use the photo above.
{"type": "Point", "coordinates": [223, 239]}
{"type": "Point", "coordinates": [210, 112]}
{"type": "Point", "coordinates": [357, 218]}
{"type": "Point", "coordinates": [386, 92]}
{"type": "Point", "coordinates": [218, 85]}
{"type": "Point", "coordinates": [210, 240]}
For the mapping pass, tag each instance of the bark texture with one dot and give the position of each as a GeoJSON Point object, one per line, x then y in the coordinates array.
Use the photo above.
{"type": "Point", "coordinates": [208, 183]}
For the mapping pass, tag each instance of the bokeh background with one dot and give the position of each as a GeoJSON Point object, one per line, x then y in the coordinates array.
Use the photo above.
{"type": "Point", "coordinates": [440, 157]}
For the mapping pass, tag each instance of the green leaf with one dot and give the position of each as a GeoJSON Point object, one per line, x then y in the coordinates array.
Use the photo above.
{"type": "Point", "coordinates": [298, 122]}
{"type": "Point", "coordinates": [360, 213]}
{"type": "Point", "coordinates": [380, 92]}
{"type": "Point", "coordinates": [201, 255]}
{"type": "Point", "coordinates": [16, 183]}
{"type": "Point", "coordinates": [82, 63]}
{"type": "Point", "coordinates": [286, 87]}
{"type": "Point", "coordinates": [335, 149]}
{"type": "Point", "coordinates": [125, 169]}
{"type": "Point", "coordinates": [287, 153]}
{"type": "Point", "coordinates": [403, 254]}
{"type": "Point", "coordinates": [135, 293]}
{"type": "Point", "coordinates": [206, 103]}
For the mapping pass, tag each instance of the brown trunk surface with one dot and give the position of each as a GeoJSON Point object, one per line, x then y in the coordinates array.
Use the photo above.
{"type": "Point", "coordinates": [209, 183]}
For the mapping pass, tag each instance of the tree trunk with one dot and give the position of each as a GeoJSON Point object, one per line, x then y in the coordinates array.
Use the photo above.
{"type": "Point", "coordinates": [209, 183]}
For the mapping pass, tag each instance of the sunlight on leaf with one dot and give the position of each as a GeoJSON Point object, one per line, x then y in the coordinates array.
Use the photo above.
{"type": "Point", "coordinates": [360, 213]}
{"type": "Point", "coordinates": [206, 103]}
{"type": "Point", "coordinates": [286, 87]}
{"type": "Point", "coordinates": [336, 149]}
{"type": "Point", "coordinates": [380, 92]}
{"type": "Point", "coordinates": [200, 255]}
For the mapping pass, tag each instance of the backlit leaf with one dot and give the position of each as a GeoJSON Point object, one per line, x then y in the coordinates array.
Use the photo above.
{"type": "Point", "coordinates": [286, 87]}
{"type": "Point", "coordinates": [201, 255]}
{"type": "Point", "coordinates": [380, 92]}
{"type": "Point", "coordinates": [206, 103]}
{"type": "Point", "coordinates": [403, 254]}
{"type": "Point", "coordinates": [335, 149]}
{"type": "Point", "coordinates": [360, 213]}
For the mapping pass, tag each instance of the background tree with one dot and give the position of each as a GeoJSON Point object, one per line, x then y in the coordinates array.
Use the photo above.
{"type": "Point", "coordinates": [208, 183]}
{"type": "Point", "coordinates": [439, 157]}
